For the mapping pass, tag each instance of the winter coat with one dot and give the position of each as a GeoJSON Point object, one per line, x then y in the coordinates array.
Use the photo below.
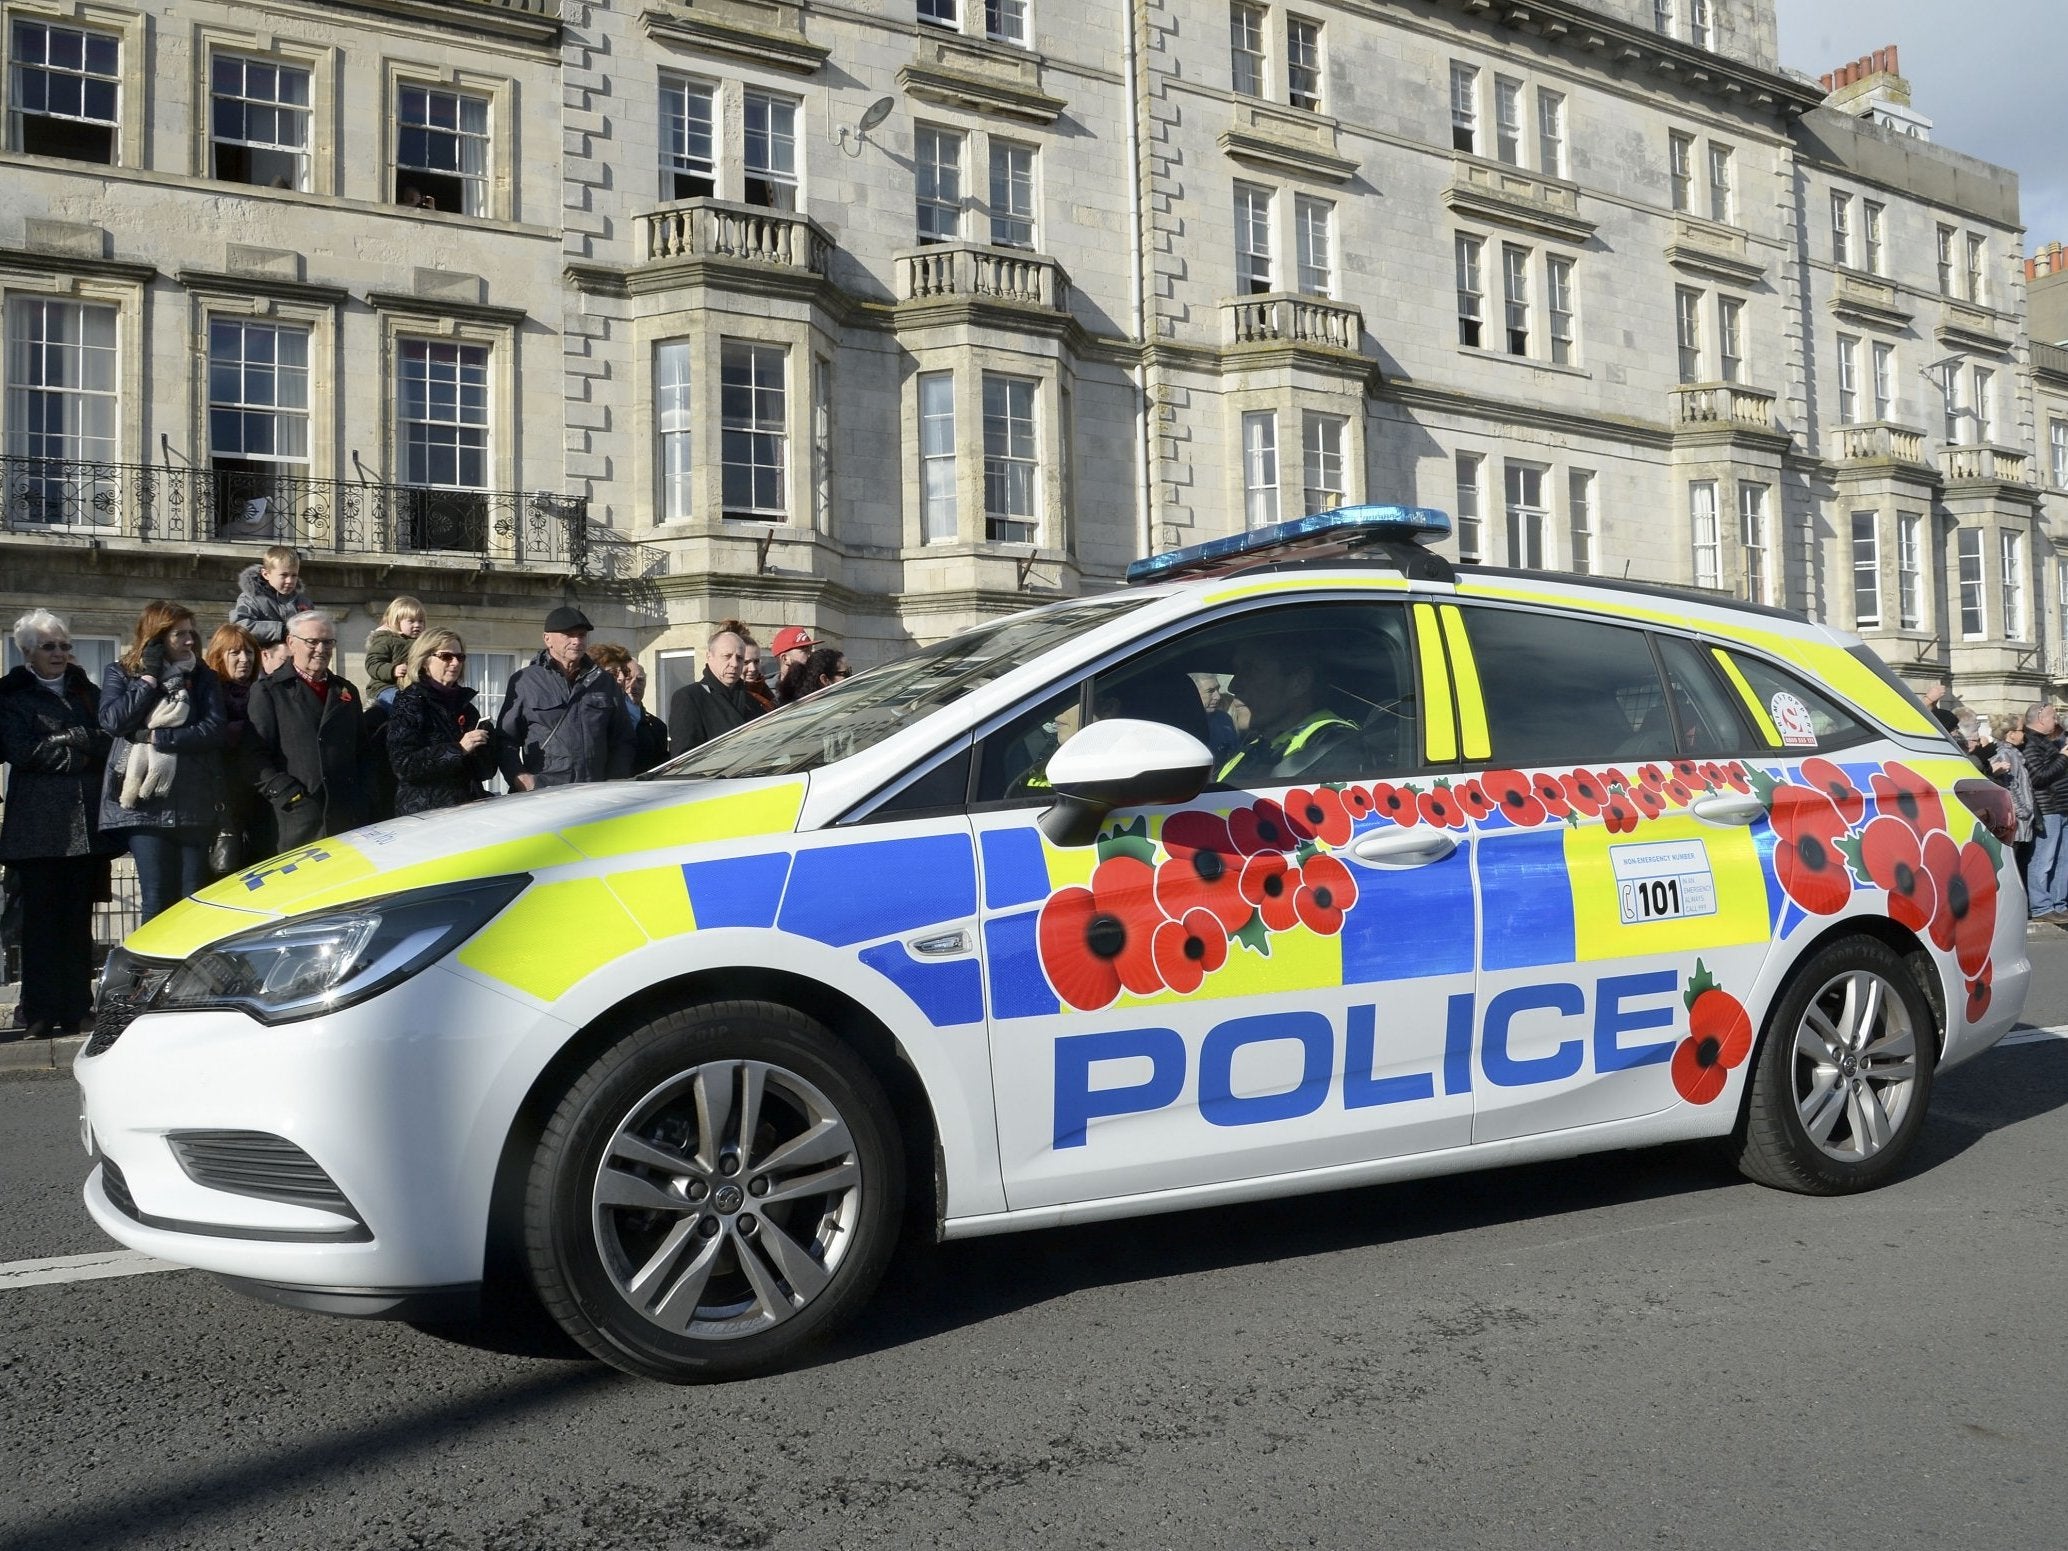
{"type": "Point", "coordinates": [263, 613]}
{"type": "Point", "coordinates": [649, 741]}
{"type": "Point", "coordinates": [701, 711]}
{"type": "Point", "coordinates": [2015, 779]}
{"type": "Point", "coordinates": [424, 750]}
{"type": "Point", "coordinates": [310, 755]}
{"type": "Point", "coordinates": [561, 732]}
{"type": "Point", "coordinates": [56, 751]}
{"type": "Point", "coordinates": [197, 786]}
{"type": "Point", "coordinates": [2049, 773]}
{"type": "Point", "coordinates": [385, 652]}
{"type": "Point", "coordinates": [242, 809]}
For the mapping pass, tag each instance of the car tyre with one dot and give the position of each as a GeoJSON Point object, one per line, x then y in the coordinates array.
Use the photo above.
{"type": "Point", "coordinates": [1843, 1074]}
{"type": "Point", "coordinates": [721, 1187]}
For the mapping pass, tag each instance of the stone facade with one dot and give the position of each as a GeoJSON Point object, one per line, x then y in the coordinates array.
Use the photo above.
{"type": "Point", "coordinates": [1600, 279]}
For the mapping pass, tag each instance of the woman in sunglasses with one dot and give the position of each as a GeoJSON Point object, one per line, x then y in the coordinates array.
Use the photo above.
{"type": "Point", "coordinates": [439, 745]}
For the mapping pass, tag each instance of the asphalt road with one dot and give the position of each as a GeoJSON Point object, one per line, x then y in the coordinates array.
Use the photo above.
{"type": "Point", "coordinates": [1630, 1350]}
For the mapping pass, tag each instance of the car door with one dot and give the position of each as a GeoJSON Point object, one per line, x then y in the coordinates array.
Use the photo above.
{"type": "Point", "coordinates": [1619, 868]}
{"type": "Point", "coordinates": [1258, 981]}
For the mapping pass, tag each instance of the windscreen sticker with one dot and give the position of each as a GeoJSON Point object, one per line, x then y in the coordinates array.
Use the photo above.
{"type": "Point", "coordinates": [1792, 721]}
{"type": "Point", "coordinates": [1666, 881]}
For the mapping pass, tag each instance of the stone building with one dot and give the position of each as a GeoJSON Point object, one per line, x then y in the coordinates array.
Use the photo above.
{"type": "Point", "coordinates": [888, 317]}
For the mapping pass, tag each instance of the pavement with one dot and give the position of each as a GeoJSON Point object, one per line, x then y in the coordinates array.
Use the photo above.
{"type": "Point", "coordinates": [39, 1055]}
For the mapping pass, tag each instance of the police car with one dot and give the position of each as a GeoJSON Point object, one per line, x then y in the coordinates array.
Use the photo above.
{"type": "Point", "coordinates": [1303, 862]}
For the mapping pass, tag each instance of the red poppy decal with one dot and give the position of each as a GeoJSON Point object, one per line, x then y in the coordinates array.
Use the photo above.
{"type": "Point", "coordinates": [1719, 1038]}
{"type": "Point", "coordinates": [1205, 880]}
{"type": "Point", "coordinates": [1268, 882]}
{"type": "Point", "coordinates": [1550, 791]}
{"type": "Point", "coordinates": [1440, 809]}
{"type": "Point", "coordinates": [1512, 797]}
{"type": "Point", "coordinates": [1619, 814]}
{"type": "Point", "coordinates": [1971, 901]}
{"type": "Point", "coordinates": [1807, 829]}
{"type": "Point", "coordinates": [1735, 778]}
{"type": "Point", "coordinates": [1583, 790]}
{"type": "Point", "coordinates": [1261, 827]}
{"type": "Point", "coordinates": [1396, 803]}
{"type": "Point", "coordinates": [1647, 802]}
{"type": "Point", "coordinates": [1326, 890]}
{"type": "Point", "coordinates": [1895, 861]}
{"type": "Point", "coordinates": [1318, 814]}
{"type": "Point", "coordinates": [1941, 862]}
{"type": "Point", "coordinates": [1910, 797]}
{"type": "Point", "coordinates": [1189, 949]}
{"type": "Point", "coordinates": [1093, 941]}
{"type": "Point", "coordinates": [1472, 797]}
{"type": "Point", "coordinates": [1978, 994]}
{"type": "Point", "coordinates": [1678, 792]}
{"type": "Point", "coordinates": [1651, 777]}
{"type": "Point", "coordinates": [1357, 801]}
{"type": "Point", "coordinates": [1836, 785]}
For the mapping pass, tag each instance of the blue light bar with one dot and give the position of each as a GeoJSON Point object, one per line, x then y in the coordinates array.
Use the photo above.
{"type": "Point", "coordinates": [1341, 528]}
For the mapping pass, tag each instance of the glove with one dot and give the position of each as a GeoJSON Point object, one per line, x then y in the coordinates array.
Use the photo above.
{"type": "Point", "coordinates": [151, 661]}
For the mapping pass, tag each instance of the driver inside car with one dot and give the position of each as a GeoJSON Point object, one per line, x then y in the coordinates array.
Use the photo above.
{"type": "Point", "coordinates": [1290, 732]}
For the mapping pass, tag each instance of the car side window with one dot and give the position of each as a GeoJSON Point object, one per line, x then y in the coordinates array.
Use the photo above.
{"type": "Point", "coordinates": [1562, 691]}
{"type": "Point", "coordinates": [1301, 693]}
{"type": "Point", "coordinates": [1708, 719]}
{"type": "Point", "coordinates": [1793, 714]}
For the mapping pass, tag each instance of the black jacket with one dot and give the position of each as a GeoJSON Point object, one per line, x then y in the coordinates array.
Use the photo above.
{"type": "Point", "coordinates": [701, 711]}
{"type": "Point", "coordinates": [560, 731]}
{"type": "Point", "coordinates": [424, 731]}
{"type": "Point", "coordinates": [194, 802]}
{"type": "Point", "coordinates": [56, 751]}
{"type": "Point", "coordinates": [649, 743]}
{"type": "Point", "coordinates": [310, 756]}
{"type": "Point", "coordinates": [2049, 772]}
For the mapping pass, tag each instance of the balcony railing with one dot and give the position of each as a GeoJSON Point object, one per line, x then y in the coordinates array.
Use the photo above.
{"type": "Point", "coordinates": [1991, 465]}
{"type": "Point", "coordinates": [968, 269]}
{"type": "Point", "coordinates": [1723, 404]}
{"type": "Point", "coordinates": [748, 234]}
{"type": "Point", "coordinates": [157, 505]}
{"type": "Point", "coordinates": [1283, 318]}
{"type": "Point", "coordinates": [1882, 441]}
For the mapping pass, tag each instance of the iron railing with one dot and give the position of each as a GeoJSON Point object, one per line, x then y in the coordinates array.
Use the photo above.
{"type": "Point", "coordinates": [260, 505]}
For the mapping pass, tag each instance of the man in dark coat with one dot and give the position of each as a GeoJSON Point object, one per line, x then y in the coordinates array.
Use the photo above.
{"type": "Point", "coordinates": [309, 740]}
{"type": "Point", "coordinates": [717, 702]}
{"type": "Point", "coordinates": [564, 719]}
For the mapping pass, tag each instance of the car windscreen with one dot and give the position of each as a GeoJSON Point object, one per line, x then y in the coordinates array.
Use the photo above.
{"type": "Point", "coordinates": [846, 718]}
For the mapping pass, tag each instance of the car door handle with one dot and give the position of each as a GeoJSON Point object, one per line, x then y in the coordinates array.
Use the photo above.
{"type": "Point", "coordinates": [1405, 848]}
{"type": "Point", "coordinates": [1728, 808]}
{"type": "Point", "coordinates": [939, 945]}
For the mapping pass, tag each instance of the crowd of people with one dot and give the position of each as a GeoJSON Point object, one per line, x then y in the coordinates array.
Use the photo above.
{"type": "Point", "coordinates": [199, 759]}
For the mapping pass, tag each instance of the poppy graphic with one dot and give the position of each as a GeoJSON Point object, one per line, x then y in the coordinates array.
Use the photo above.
{"type": "Point", "coordinates": [1512, 797]}
{"type": "Point", "coordinates": [1836, 785]}
{"type": "Point", "coordinates": [1326, 890]}
{"type": "Point", "coordinates": [1719, 1016]}
{"type": "Point", "coordinates": [1647, 802]}
{"type": "Point", "coordinates": [1583, 789]}
{"type": "Point", "coordinates": [1678, 792]}
{"type": "Point", "coordinates": [1261, 827]}
{"type": "Point", "coordinates": [1941, 863]}
{"type": "Point", "coordinates": [1895, 861]}
{"type": "Point", "coordinates": [1093, 941]}
{"type": "Point", "coordinates": [1189, 949]}
{"type": "Point", "coordinates": [1619, 814]}
{"type": "Point", "coordinates": [1978, 994]}
{"type": "Point", "coordinates": [1651, 777]}
{"type": "Point", "coordinates": [1318, 814]}
{"type": "Point", "coordinates": [1734, 777]}
{"type": "Point", "coordinates": [1472, 797]}
{"type": "Point", "coordinates": [1204, 880]}
{"type": "Point", "coordinates": [1969, 896]}
{"type": "Point", "coordinates": [1698, 1070]}
{"type": "Point", "coordinates": [1687, 771]}
{"type": "Point", "coordinates": [1269, 882]}
{"type": "Point", "coordinates": [1910, 797]}
{"type": "Point", "coordinates": [1551, 793]}
{"type": "Point", "coordinates": [1807, 829]}
{"type": "Point", "coordinates": [1396, 803]}
{"type": "Point", "coordinates": [1440, 808]}
{"type": "Point", "coordinates": [1356, 801]}
{"type": "Point", "coordinates": [1711, 774]}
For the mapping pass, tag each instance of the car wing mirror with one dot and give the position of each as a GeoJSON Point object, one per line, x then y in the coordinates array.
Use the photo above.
{"type": "Point", "coordinates": [1120, 763]}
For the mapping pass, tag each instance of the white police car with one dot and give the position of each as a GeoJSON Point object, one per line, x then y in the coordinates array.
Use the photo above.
{"type": "Point", "coordinates": [1304, 863]}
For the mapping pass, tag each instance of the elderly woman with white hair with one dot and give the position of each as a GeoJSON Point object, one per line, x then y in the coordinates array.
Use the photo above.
{"type": "Point", "coordinates": [51, 738]}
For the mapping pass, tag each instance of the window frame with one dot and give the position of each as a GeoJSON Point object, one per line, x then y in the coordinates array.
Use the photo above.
{"type": "Point", "coordinates": [2010, 548]}
{"type": "Point", "coordinates": [680, 165]}
{"type": "Point", "coordinates": [1508, 120]}
{"type": "Point", "coordinates": [1841, 229]}
{"type": "Point", "coordinates": [1254, 261]}
{"type": "Point", "coordinates": [1680, 171]}
{"type": "Point", "coordinates": [1008, 220]}
{"type": "Point", "coordinates": [1469, 257]}
{"type": "Point", "coordinates": [1305, 66]}
{"type": "Point", "coordinates": [1516, 300]}
{"type": "Point", "coordinates": [1248, 49]}
{"type": "Point", "coordinates": [940, 514]}
{"type": "Point", "coordinates": [1865, 555]}
{"type": "Point", "coordinates": [937, 183]}
{"type": "Point", "coordinates": [1528, 521]}
{"type": "Point", "coordinates": [1581, 486]}
{"type": "Point", "coordinates": [477, 190]}
{"type": "Point", "coordinates": [1470, 490]}
{"type": "Point", "coordinates": [1972, 590]}
{"type": "Point", "coordinates": [1755, 539]}
{"type": "Point", "coordinates": [1316, 458]}
{"type": "Point", "coordinates": [124, 144]}
{"type": "Point", "coordinates": [1848, 379]}
{"type": "Point", "coordinates": [1314, 272]}
{"type": "Point", "coordinates": [1464, 107]}
{"type": "Point", "coordinates": [776, 179]}
{"type": "Point", "coordinates": [674, 429]}
{"type": "Point", "coordinates": [1909, 570]}
{"type": "Point", "coordinates": [760, 432]}
{"type": "Point", "coordinates": [216, 53]}
{"type": "Point", "coordinates": [1262, 474]}
{"type": "Point", "coordinates": [1551, 140]}
{"type": "Point", "coordinates": [1705, 534]}
{"type": "Point", "coordinates": [1012, 459]}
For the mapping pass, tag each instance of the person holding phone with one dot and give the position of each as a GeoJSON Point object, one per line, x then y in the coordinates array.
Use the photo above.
{"type": "Point", "coordinates": [439, 747]}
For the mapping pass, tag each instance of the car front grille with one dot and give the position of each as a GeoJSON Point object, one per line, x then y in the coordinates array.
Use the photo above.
{"type": "Point", "coordinates": [117, 1188]}
{"type": "Point", "coordinates": [257, 1163]}
{"type": "Point", "coordinates": [108, 1023]}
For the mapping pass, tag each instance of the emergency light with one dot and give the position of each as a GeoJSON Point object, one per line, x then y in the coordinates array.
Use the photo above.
{"type": "Point", "coordinates": [1396, 535]}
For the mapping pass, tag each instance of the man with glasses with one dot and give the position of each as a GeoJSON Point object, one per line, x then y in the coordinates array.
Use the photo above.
{"type": "Point", "coordinates": [309, 739]}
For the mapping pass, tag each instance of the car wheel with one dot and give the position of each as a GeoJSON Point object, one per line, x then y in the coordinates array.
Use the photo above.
{"type": "Point", "coordinates": [1843, 1073]}
{"type": "Point", "coordinates": [721, 1187]}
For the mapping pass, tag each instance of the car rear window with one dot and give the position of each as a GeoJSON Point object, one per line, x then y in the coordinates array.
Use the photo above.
{"type": "Point", "coordinates": [1567, 691]}
{"type": "Point", "coordinates": [1793, 715]}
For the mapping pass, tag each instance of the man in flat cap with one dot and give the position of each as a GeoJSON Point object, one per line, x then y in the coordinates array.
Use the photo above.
{"type": "Point", "coordinates": [564, 719]}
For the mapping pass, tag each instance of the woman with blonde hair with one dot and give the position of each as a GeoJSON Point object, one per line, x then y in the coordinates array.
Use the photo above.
{"type": "Point", "coordinates": [439, 746]}
{"type": "Point", "coordinates": [164, 708]}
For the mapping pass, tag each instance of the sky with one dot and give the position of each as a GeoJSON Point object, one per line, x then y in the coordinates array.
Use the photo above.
{"type": "Point", "coordinates": [1988, 73]}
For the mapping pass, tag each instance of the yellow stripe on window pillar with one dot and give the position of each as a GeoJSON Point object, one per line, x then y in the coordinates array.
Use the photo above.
{"type": "Point", "coordinates": [1439, 720]}
{"type": "Point", "coordinates": [1465, 669]}
{"type": "Point", "coordinates": [1764, 722]}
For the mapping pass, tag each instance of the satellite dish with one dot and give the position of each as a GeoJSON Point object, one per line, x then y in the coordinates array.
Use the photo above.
{"type": "Point", "coordinates": [877, 112]}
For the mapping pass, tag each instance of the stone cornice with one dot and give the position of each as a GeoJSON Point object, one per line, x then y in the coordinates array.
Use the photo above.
{"type": "Point", "coordinates": [532, 22]}
{"type": "Point", "coordinates": [1412, 394]}
{"type": "Point", "coordinates": [446, 307]}
{"type": "Point", "coordinates": [957, 72]}
{"type": "Point", "coordinates": [210, 283]}
{"type": "Point", "coordinates": [1513, 196]}
{"type": "Point", "coordinates": [39, 261]}
{"type": "Point", "coordinates": [761, 32]}
{"type": "Point", "coordinates": [1287, 141]}
{"type": "Point", "coordinates": [1714, 252]}
{"type": "Point", "coordinates": [1868, 301]}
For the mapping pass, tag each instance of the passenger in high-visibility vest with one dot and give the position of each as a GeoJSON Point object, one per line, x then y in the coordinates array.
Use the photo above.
{"type": "Point", "coordinates": [1289, 734]}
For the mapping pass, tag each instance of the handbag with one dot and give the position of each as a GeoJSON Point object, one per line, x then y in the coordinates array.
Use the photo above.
{"type": "Point", "coordinates": [226, 851]}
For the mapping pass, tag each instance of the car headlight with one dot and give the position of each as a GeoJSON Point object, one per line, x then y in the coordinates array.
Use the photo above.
{"type": "Point", "coordinates": [316, 963]}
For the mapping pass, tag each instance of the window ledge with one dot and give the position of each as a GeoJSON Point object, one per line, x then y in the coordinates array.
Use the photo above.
{"type": "Point", "coordinates": [1286, 140]}
{"type": "Point", "coordinates": [1869, 300]}
{"type": "Point", "coordinates": [1515, 196]}
{"type": "Point", "coordinates": [1715, 250]}
{"type": "Point", "coordinates": [953, 71]}
{"type": "Point", "coordinates": [1481, 353]}
{"type": "Point", "coordinates": [762, 32]}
